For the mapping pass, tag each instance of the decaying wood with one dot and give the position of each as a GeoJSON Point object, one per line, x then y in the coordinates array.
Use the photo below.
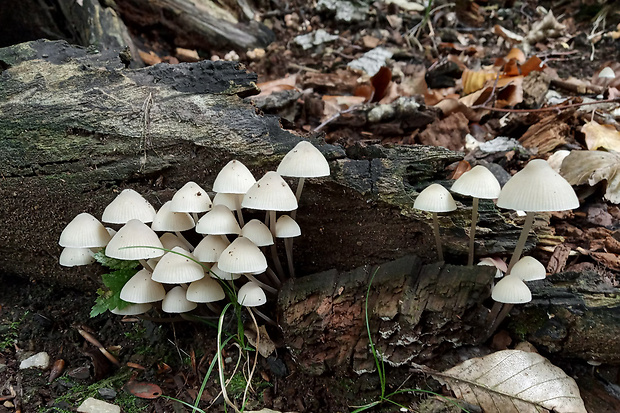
{"type": "Point", "coordinates": [77, 127]}
{"type": "Point", "coordinates": [419, 312]}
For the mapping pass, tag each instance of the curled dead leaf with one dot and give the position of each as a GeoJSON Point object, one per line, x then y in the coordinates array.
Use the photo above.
{"type": "Point", "coordinates": [601, 136]}
{"type": "Point", "coordinates": [143, 390]}
{"type": "Point", "coordinates": [592, 167]}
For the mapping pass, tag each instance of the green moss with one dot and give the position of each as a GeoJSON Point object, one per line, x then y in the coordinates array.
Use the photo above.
{"type": "Point", "coordinates": [528, 323]}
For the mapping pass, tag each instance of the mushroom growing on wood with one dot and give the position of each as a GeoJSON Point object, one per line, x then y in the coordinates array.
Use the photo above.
{"type": "Point", "coordinates": [126, 206]}
{"type": "Point", "coordinates": [234, 178]}
{"type": "Point", "coordinates": [191, 198]}
{"type": "Point", "coordinates": [479, 183]}
{"type": "Point", "coordinates": [435, 198]}
{"type": "Point", "coordinates": [536, 188]}
{"type": "Point", "coordinates": [133, 242]}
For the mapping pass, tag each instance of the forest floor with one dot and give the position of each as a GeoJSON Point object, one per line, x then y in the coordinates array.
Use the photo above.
{"type": "Point", "coordinates": [432, 58]}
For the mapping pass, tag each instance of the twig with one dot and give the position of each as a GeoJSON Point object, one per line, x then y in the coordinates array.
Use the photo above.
{"type": "Point", "coordinates": [549, 109]}
{"type": "Point", "coordinates": [334, 117]}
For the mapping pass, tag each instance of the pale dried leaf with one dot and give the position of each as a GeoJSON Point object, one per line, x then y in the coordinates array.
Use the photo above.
{"type": "Point", "coordinates": [514, 381]}
{"type": "Point", "coordinates": [601, 136]}
{"type": "Point", "coordinates": [591, 167]}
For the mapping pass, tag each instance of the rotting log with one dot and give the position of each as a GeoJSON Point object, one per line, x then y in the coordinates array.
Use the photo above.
{"type": "Point", "coordinates": [417, 313]}
{"type": "Point", "coordinates": [76, 127]}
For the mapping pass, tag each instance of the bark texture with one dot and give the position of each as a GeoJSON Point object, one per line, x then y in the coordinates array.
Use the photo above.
{"type": "Point", "coordinates": [76, 127]}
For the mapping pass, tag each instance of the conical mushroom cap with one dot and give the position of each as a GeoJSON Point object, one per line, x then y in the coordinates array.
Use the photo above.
{"type": "Point", "coordinates": [126, 206]}
{"type": "Point", "coordinates": [529, 269]}
{"type": "Point", "coordinates": [435, 198]}
{"type": "Point", "coordinates": [169, 241]}
{"type": "Point", "coordinates": [270, 193]}
{"type": "Point", "coordinates": [134, 233]}
{"type": "Point", "coordinates": [286, 227]}
{"type": "Point", "coordinates": [84, 231]}
{"type": "Point", "coordinates": [210, 248]}
{"type": "Point", "coordinates": [478, 182]}
{"type": "Point", "coordinates": [219, 221]}
{"type": "Point", "coordinates": [174, 268]}
{"type": "Point", "coordinates": [228, 200]}
{"type": "Point", "coordinates": [258, 233]}
{"type": "Point", "coordinates": [142, 289]}
{"type": "Point", "coordinates": [251, 295]}
{"type": "Point", "coordinates": [537, 188]}
{"type": "Point", "coordinates": [304, 161]}
{"type": "Point", "coordinates": [132, 309]}
{"type": "Point", "coordinates": [191, 198]}
{"type": "Point", "coordinates": [167, 220]}
{"type": "Point", "coordinates": [219, 274]}
{"type": "Point", "coordinates": [242, 256]}
{"type": "Point", "coordinates": [511, 290]}
{"type": "Point", "coordinates": [234, 178]}
{"type": "Point", "coordinates": [207, 290]}
{"type": "Point", "coordinates": [73, 257]}
{"type": "Point", "coordinates": [176, 301]}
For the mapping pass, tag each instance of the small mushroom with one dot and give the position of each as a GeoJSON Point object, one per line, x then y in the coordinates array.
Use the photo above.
{"type": "Point", "coordinates": [234, 178]}
{"type": "Point", "coordinates": [529, 269]}
{"type": "Point", "coordinates": [126, 206]}
{"type": "Point", "coordinates": [479, 183]}
{"type": "Point", "coordinates": [435, 198]}
{"type": "Point", "coordinates": [176, 301]}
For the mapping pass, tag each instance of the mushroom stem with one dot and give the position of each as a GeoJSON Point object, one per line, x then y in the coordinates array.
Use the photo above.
{"type": "Point", "coordinates": [300, 187]}
{"type": "Point", "coordinates": [263, 316]}
{"type": "Point", "coordinates": [262, 284]}
{"type": "Point", "coordinates": [189, 246]}
{"type": "Point", "coordinates": [214, 308]}
{"type": "Point", "coordinates": [472, 231]}
{"type": "Point", "coordinates": [505, 310]}
{"type": "Point", "coordinates": [239, 213]}
{"type": "Point", "coordinates": [274, 277]}
{"type": "Point", "coordinates": [529, 220]}
{"type": "Point", "coordinates": [288, 246]}
{"type": "Point", "coordinates": [195, 216]}
{"type": "Point", "coordinates": [274, 251]}
{"type": "Point", "coordinates": [145, 265]}
{"type": "Point", "coordinates": [437, 239]}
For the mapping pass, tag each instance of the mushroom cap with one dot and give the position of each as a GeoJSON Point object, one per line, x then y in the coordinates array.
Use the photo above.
{"type": "Point", "coordinates": [251, 295]}
{"type": "Point", "coordinates": [234, 178]}
{"type": "Point", "coordinates": [84, 231]}
{"type": "Point", "coordinates": [287, 227]}
{"type": "Point", "coordinates": [257, 232]}
{"type": "Point", "coordinates": [228, 200]}
{"type": "Point", "coordinates": [478, 182]}
{"type": "Point", "coordinates": [174, 268]}
{"type": "Point", "coordinates": [210, 248]}
{"type": "Point", "coordinates": [435, 198]}
{"type": "Point", "coordinates": [270, 193]}
{"type": "Point", "coordinates": [219, 221]}
{"type": "Point", "coordinates": [142, 289]}
{"type": "Point", "coordinates": [607, 73]}
{"type": "Point", "coordinates": [529, 269]}
{"type": "Point", "coordinates": [219, 274]}
{"type": "Point", "coordinates": [169, 241]}
{"type": "Point", "coordinates": [242, 256]}
{"type": "Point", "coordinates": [304, 161]}
{"type": "Point", "coordinates": [537, 188]}
{"type": "Point", "coordinates": [134, 233]}
{"type": "Point", "coordinates": [168, 220]}
{"type": "Point", "coordinates": [126, 206]}
{"type": "Point", "coordinates": [191, 198]}
{"type": "Point", "coordinates": [176, 301]}
{"type": "Point", "coordinates": [132, 309]}
{"type": "Point", "coordinates": [207, 290]}
{"type": "Point", "coordinates": [511, 290]}
{"type": "Point", "coordinates": [73, 257]}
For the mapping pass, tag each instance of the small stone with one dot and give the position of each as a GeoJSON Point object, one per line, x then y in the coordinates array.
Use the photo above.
{"type": "Point", "coordinates": [107, 394]}
{"type": "Point", "coordinates": [91, 405]}
{"type": "Point", "coordinates": [40, 360]}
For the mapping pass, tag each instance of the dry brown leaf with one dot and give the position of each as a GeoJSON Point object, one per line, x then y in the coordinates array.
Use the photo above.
{"type": "Point", "coordinates": [149, 58]}
{"type": "Point", "coordinates": [285, 83]}
{"type": "Point", "coordinates": [448, 132]}
{"type": "Point", "coordinates": [601, 136]}
{"type": "Point", "coordinates": [336, 104]}
{"type": "Point", "coordinates": [474, 80]}
{"type": "Point", "coordinates": [591, 167]}
{"type": "Point", "coordinates": [517, 54]}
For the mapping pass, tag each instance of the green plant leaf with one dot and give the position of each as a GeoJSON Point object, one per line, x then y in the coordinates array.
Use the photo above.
{"type": "Point", "coordinates": [113, 263]}
{"type": "Point", "coordinates": [110, 298]}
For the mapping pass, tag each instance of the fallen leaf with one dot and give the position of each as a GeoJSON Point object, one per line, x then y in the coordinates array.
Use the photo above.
{"type": "Point", "coordinates": [591, 167]}
{"type": "Point", "coordinates": [143, 390]}
{"type": "Point", "coordinates": [286, 83]}
{"type": "Point", "coordinates": [448, 132]}
{"type": "Point", "coordinates": [522, 381]}
{"type": "Point", "coordinates": [601, 136]}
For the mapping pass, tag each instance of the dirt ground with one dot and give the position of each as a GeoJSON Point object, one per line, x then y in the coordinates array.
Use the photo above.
{"type": "Point", "coordinates": [176, 355]}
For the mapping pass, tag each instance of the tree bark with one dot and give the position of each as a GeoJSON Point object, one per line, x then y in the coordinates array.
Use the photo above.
{"type": "Point", "coordinates": [76, 127]}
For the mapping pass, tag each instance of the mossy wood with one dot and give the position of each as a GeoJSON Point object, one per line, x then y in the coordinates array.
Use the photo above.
{"type": "Point", "coordinates": [76, 127]}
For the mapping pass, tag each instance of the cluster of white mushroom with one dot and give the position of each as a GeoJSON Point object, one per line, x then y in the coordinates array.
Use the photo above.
{"type": "Point", "coordinates": [536, 188]}
{"type": "Point", "coordinates": [171, 260]}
